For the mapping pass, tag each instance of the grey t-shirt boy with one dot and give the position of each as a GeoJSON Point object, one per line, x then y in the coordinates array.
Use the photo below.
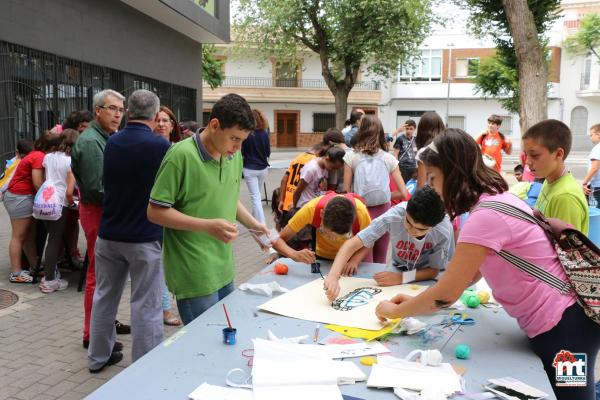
{"type": "Point", "coordinates": [408, 253]}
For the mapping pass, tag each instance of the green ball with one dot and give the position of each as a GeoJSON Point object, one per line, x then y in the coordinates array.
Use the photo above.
{"type": "Point", "coordinates": [465, 296]}
{"type": "Point", "coordinates": [462, 351]}
{"type": "Point", "coordinates": [473, 302]}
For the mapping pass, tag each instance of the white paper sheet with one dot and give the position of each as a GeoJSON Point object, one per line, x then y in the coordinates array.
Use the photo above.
{"type": "Point", "coordinates": [348, 372]}
{"type": "Point", "coordinates": [395, 372]}
{"type": "Point", "coordinates": [300, 371]}
{"type": "Point", "coordinates": [274, 349]}
{"type": "Point", "coordinates": [308, 302]}
{"type": "Point", "coordinates": [301, 392]}
{"type": "Point", "coordinates": [206, 391]}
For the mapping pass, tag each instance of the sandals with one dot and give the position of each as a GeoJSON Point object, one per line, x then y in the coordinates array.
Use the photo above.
{"type": "Point", "coordinates": [21, 277]}
{"type": "Point", "coordinates": [171, 320]}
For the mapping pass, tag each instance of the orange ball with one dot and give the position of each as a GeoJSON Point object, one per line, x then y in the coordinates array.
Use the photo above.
{"type": "Point", "coordinates": [281, 269]}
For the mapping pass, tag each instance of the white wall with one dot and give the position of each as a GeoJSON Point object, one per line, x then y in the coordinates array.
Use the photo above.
{"type": "Point", "coordinates": [475, 112]}
{"type": "Point", "coordinates": [573, 96]}
{"type": "Point", "coordinates": [247, 68]}
{"type": "Point", "coordinates": [311, 67]}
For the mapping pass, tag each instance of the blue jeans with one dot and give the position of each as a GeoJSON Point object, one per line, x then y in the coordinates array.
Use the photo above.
{"type": "Point", "coordinates": [193, 307]}
{"type": "Point", "coordinates": [166, 300]}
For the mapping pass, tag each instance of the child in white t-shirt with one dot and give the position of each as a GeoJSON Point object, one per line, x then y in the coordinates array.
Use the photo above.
{"type": "Point", "coordinates": [57, 165]}
{"type": "Point", "coordinates": [368, 171]}
{"type": "Point", "coordinates": [591, 181]}
{"type": "Point", "coordinates": [313, 178]}
{"type": "Point", "coordinates": [421, 236]}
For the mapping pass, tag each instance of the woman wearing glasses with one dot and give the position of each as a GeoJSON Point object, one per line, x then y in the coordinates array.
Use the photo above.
{"type": "Point", "coordinates": [167, 125]}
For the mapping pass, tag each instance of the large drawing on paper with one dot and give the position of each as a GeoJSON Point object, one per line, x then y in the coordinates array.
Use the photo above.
{"type": "Point", "coordinates": [356, 298]}
{"type": "Point", "coordinates": [354, 307]}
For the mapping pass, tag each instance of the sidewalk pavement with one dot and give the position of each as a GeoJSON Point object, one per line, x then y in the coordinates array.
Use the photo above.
{"type": "Point", "coordinates": [41, 353]}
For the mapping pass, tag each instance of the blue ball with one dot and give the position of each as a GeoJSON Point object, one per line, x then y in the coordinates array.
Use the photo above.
{"type": "Point", "coordinates": [462, 351]}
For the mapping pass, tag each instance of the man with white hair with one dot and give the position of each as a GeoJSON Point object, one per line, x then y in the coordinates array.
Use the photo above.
{"type": "Point", "coordinates": [128, 244]}
{"type": "Point", "coordinates": [86, 164]}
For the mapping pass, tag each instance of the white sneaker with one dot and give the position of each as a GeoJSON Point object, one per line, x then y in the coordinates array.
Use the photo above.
{"type": "Point", "coordinates": [53, 285]}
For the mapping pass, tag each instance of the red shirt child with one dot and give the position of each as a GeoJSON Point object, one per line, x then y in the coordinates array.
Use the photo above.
{"type": "Point", "coordinates": [492, 142]}
{"type": "Point", "coordinates": [22, 181]}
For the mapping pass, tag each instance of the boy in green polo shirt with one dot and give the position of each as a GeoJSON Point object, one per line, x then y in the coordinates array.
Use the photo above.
{"type": "Point", "coordinates": [196, 198]}
{"type": "Point", "coordinates": [547, 145]}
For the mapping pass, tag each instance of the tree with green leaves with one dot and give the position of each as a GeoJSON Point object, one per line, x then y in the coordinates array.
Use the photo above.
{"type": "Point", "coordinates": [212, 71]}
{"type": "Point", "coordinates": [587, 38]}
{"type": "Point", "coordinates": [347, 35]}
{"type": "Point", "coordinates": [496, 79]}
{"type": "Point", "coordinates": [518, 29]}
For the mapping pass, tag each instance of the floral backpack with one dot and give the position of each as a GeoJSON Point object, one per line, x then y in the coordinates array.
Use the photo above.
{"type": "Point", "coordinates": [579, 257]}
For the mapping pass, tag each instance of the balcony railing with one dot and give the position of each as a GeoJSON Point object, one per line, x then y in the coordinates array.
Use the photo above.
{"type": "Point", "coordinates": [238, 81]}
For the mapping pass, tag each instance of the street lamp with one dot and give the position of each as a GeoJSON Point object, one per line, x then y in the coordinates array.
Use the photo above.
{"type": "Point", "coordinates": [449, 45]}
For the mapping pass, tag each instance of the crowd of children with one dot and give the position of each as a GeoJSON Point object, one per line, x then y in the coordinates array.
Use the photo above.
{"type": "Point", "coordinates": [456, 177]}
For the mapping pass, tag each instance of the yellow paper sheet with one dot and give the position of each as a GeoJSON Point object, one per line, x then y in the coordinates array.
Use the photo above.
{"type": "Point", "coordinates": [364, 333]}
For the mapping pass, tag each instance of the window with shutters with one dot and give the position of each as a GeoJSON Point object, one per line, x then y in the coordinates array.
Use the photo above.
{"type": "Point", "coordinates": [323, 121]}
{"type": "Point", "coordinates": [506, 127]}
{"type": "Point", "coordinates": [456, 121]}
{"type": "Point", "coordinates": [467, 67]}
{"type": "Point", "coordinates": [579, 121]}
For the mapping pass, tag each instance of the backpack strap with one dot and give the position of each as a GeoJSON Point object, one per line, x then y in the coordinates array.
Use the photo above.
{"type": "Point", "coordinates": [353, 197]}
{"type": "Point", "coordinates": [406, 150]}
{"type": "Point", "coordinates": [520, 263]}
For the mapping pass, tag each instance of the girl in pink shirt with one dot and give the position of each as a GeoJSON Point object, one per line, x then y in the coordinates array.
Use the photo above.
{"type": "Point", "coordinates": [552, 321]}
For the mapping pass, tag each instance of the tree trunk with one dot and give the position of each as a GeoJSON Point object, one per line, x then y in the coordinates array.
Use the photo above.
{"type": "Point", "coordinates": [532, 68]}
{"type": "Point", "coordinates": [341, 105]}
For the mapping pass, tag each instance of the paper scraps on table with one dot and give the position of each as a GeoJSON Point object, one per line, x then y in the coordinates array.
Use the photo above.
{"type": "Point", "coordinates": [207, 391]}
{"type": "Point", "coordinates": [394, 372]}
{"type": "Point", "coordinates": [411, 325]}
{"type": "Point", "coordinates": [364, 333]}
{"type": "Point", "coordinates": [502, 387]}
{"type": "Point", "coordinates": [265, 289]}
{"type": "Point", "coordinates": [431, 357]}
{"type": "Point", "coordinates": [298, 339]}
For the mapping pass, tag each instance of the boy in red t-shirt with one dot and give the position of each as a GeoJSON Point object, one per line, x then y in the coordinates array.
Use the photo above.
{"type": "Point", "coordinates": [492, 142]}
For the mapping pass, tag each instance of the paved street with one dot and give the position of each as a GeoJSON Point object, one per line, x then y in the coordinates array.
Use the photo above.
{"type": "Point", "coordinates": [41, 356]}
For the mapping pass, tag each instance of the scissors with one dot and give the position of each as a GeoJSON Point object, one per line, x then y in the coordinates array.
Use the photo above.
{"type": "Point", "coordinates": [461, 319]}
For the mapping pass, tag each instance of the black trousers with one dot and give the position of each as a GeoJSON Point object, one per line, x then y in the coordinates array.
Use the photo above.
{"type": "Point", "coordinates": [577, 333]}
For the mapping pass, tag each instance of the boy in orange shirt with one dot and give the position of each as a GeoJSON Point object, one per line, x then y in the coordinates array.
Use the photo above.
{"type": "Point", "coordinates": [492, 142]}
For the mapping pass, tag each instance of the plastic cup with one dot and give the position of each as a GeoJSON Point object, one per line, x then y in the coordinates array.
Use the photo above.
{"type": "Point", "coordinates": [265, 240]}
{"type": "Point", "coordinates": [229, 336]}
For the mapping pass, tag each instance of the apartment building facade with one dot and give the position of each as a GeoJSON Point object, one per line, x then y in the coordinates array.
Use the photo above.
{"type": "Point", "coordinates": [296, 102]}
{"type": "Point", "coordinates": [580, 88]}
{"type": "Point", "coordinates": [441, 80]}
{"type": "Point", "coordinates": [299, 105]}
